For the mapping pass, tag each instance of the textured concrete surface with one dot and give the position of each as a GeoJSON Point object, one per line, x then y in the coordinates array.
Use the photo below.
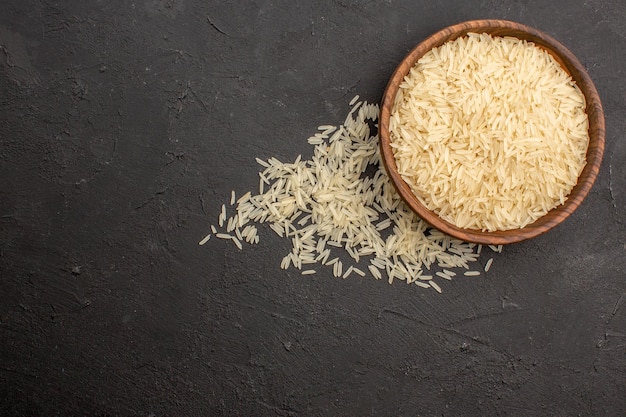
{"type": "Point", "coordinates": [125, 125]}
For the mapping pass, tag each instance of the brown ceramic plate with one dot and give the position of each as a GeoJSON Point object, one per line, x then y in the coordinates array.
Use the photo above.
{"type": "Point", "coordinates": [594, 111]}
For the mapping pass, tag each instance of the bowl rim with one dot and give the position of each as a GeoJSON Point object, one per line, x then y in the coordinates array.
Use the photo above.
{"type": "Point", "coordinates": [568, 62]}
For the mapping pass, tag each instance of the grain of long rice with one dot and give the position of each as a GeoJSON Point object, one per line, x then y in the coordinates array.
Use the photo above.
{"type": "Point", "coordinates": [262, 163]}
{"type": "Point", "coordinates": [358, 271]}
{"type": "Point", "coordinates": [488, 264]}
{"type": "Point", "coordinates": [222, 217]}
{"type": "Point", "coordinates": [348, 272]}
{"type": "Point", "coordinates": [443, 275]}
{"type": "Point", "coordinates": [449, 273]}
{"type": "Point", "coordinates": [435, 286]}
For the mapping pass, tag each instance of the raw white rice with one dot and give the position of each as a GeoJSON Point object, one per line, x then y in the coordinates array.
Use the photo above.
{"type": "Point", "coordinates": [244, 198]}
{"type": "Point", "coordinates": [205, 240]}
{"type": "Point", "coordinates": [348, 272]}
{"type": "Point", "coordinates": [262, 163]}
{"type": "Point", "coordinates": [232, 223]}
{"type": "Point", "coordinates": [222, 217]}
{"type": "Point", "coordinates": [488, 264]}
{"type": "Point", "coordinates": [435, 286]}
{"type": "Point", "coordinates": [443, 275]}
{"type": "Point", "coordinates": [284, 264]}
{"type": "Point", "coordinates": [449, 273]}
{"type": "Point", "coordinates": [358, 271]}
{"type": "Point", "coordinates": [341, 200]}
{"type": "Point", "coordinates": [489, 132]}
{"type": "Point", "coordinates": [374, 271]}
{"type": "Point", "coordinates": [496, 248]}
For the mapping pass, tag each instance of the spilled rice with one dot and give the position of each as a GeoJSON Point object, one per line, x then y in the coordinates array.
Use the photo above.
{"type": "Point", "coordinates": [340, 203]}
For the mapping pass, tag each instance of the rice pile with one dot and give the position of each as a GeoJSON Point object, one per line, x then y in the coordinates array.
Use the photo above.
{"type": "Point", "coordinates": [341, 201]}
{"type": "Point", "coordinates": [489, 132]}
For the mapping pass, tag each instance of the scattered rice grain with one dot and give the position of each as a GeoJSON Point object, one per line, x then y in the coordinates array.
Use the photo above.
{"type": "Point", "coordinates": [358, 271]}
{"type": "Point", "coordinates": [435, 286]}
{"type": "Point", "coordinates": [488, 264]}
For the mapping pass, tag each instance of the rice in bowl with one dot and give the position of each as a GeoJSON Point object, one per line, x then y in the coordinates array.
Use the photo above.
{"type": "Point", "coordinates": [490, 133]}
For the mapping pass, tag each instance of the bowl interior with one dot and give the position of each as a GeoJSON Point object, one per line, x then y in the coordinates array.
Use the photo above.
{"type": "Point", "coordinates": [569, 63]}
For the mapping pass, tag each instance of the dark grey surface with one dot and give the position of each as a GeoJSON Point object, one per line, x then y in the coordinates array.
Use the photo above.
{"type": "Point", "coordinates": [123, 128]}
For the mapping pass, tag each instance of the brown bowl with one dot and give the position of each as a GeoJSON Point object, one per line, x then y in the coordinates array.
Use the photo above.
{"type": "Point", "coordinates": [594, 111]}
